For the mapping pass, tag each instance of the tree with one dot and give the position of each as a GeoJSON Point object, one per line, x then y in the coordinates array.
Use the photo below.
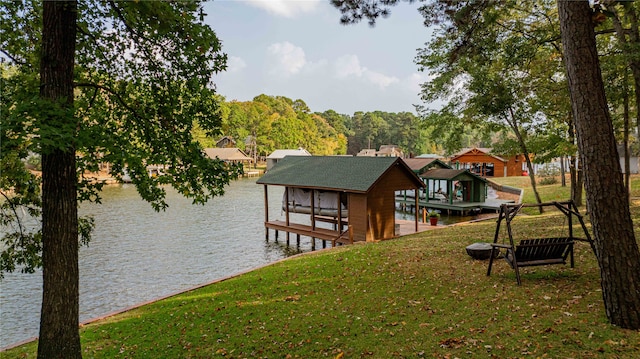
{"type": "Point", "coordinates": [615, 244]}
{"type": "Point", "coordinates": [622, 60]}
{"type": "Point", "coordinates": [116, 82]}
{"type": "Point", "coordinates": [60, 274]}
{"type": "Point", "coordinates": [483, 57]}
{"type": "Point", "coordinates": [373, 129]}
{"type": "Point", "coordinates": [628, 39]}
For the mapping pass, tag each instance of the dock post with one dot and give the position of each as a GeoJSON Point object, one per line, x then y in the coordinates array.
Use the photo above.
{"type": "Point", "coordinates": [276, 235]}
{"type": "Point", "coordinates": [266, 212]}
{"type": "Point", "coordinates": [287, 239]}
{"type": "Point", "coordinates": [313, 244]}
{"type": "Point", "coordinates": [298, 239]}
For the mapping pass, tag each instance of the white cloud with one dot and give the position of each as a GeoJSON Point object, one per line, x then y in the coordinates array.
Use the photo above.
{"type": "Point", "coordinates": [416, 79]}
{"type": "Point", "coordinates": [316, 67]}
{"type": "Point", "coordinates": [235, 64]}
{"type": "Point", "coordinates": [349, 65]}
{"type": "Point", "coordinates": [380, 80]}
{"type": "Point", "coordinates": [286, 58]}
{"type": "Point", "coordinates": [286, 8]}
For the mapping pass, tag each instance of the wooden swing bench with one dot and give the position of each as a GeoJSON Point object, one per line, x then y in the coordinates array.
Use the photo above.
{"type": "Point", "coordinates": [537, 251]}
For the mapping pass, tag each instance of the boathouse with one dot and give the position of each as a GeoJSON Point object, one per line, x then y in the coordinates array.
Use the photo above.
{"type": "Point", "coordinates": [449, 186]}
{"type": "Point", "coordinates": [481, 162]}
{"type": "Point", "coordinates": [277, 155]}
{"type": "Point", "coordinates": [354, 195]}
{"type": "Point", "coordinates": [421, 165]}
{"type": "Point", "coordinates": [228, 154]}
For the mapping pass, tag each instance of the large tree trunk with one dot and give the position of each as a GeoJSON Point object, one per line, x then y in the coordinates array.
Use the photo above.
{"type": "Point", "coordinates": [59, 336]}
{"type": "Point", "coordinates": [615, 245]}
{"type": "Point", "coordinates": [627, 154]}
{"type": "Point", "coordinates": [574, 169]}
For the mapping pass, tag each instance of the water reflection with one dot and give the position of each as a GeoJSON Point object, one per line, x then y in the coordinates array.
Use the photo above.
{"type": "Point", "coordinates": [138, 254]}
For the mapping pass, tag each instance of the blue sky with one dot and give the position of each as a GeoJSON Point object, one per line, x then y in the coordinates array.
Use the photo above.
{"type": "Point", "coordinates": [298, 49]}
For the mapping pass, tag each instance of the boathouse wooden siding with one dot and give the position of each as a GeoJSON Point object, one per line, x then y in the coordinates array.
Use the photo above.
{"type": "Point", "coordinates": [478, 159]}
{"type": "Point", "coordinates": [369, 184]}
{"type": "Point", "coordinates": [514, 165]}
{"type": "Point", "coordinates": [358, 216]}
{"type": "Point", "coordinates": [380, 205]}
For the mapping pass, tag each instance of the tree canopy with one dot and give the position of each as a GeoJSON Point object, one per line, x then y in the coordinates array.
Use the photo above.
{"type": "Point", "coordinates": [93, 82]}
{"type": "Point", "coordinates": [491, 57]}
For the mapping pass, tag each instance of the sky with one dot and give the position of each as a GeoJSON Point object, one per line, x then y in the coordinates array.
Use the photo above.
{"type": "Point", "coordinates": [299, 49]}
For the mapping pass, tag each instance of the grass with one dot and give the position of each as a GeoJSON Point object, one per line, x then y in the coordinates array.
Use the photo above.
{"type": "Point", "coordinates": [414, 297]}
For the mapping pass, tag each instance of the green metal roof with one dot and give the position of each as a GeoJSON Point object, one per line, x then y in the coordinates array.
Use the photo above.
{"type": "Point", "coordinates": [352, 174]}
{"type": "Point", "coordinates": [420, 165]}
{"type": "Point", "coordinates": [450, 174]}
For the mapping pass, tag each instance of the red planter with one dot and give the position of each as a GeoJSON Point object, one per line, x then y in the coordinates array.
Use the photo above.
{"type": "Point", "coordinates": [433, 221]}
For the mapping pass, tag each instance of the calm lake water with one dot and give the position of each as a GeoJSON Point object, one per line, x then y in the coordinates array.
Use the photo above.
{"type": "Point", "coordinates": [138, 255]}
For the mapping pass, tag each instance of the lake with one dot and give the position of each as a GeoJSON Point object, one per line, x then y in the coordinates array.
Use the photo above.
{"type": "Point", "coordinates": [137, 254]}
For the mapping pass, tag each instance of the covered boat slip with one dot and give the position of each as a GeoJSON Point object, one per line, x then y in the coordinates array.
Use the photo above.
{"type": "Point", "coordinates": [355, 196]}
{"type": "Point", "coordinates": [326, 222]}
{"type": "Point", "coordinates": [324, 203]}
{"type": "Point", "coordinates": [451, 190]}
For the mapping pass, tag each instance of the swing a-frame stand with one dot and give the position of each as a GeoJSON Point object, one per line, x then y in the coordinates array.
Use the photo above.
{"type": "Point", "coordinates": [538, 251]}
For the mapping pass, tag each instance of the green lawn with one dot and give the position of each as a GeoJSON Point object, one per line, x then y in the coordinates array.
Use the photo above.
{"type": "Point", "coordinates": [417, 296]}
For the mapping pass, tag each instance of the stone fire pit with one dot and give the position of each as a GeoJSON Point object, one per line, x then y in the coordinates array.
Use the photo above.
{"type": "Point", "coordinates": [481, 250]}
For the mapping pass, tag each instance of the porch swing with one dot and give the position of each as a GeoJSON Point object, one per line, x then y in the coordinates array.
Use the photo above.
{"type": "Point", "coordinates": [545, 250]}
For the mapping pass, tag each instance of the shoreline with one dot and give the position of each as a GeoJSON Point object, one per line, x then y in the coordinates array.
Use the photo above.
{"type": "Point", "coordinates": [138, 305]}
{"type": "Point", "coordinates": [231, 276]}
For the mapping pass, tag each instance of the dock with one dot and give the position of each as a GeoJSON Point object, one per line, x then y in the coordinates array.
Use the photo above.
{"type": "Point", "coordinates": [253, 173]}
{"type": "Point", "coordinates": [456, 207]}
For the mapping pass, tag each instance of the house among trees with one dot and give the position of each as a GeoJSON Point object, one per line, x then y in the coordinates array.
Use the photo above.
{"type": "Point", "coordinates": [481, 162]}
{"type": "Point", "coordinates": [277, 155]}
{"type": "Point", "coordinates": [389, 151]}
{"type": "Point", "coordinates": [367, 152]}
{"type": "Point", "coordinates": [226, 142]}
{"type": "Point", "coordinates": [385, 151]}
{"type": "Point", "coordinates": [355, 194]}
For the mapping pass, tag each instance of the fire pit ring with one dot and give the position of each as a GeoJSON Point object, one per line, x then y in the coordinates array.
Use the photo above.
{"type": "Point", "coordinates": [481, 250]}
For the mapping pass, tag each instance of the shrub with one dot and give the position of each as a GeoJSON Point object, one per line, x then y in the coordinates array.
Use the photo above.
{"type": "Point", "coordinates": [33, 162]}
{"type": "Point", "coordinates": [548, 180]}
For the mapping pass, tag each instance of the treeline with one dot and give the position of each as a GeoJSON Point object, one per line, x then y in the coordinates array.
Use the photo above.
{"type": "Point", "coordinates": [269, 123]}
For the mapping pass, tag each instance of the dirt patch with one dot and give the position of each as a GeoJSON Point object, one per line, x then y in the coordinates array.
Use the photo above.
{"type": "Point", "coordinates": [508, 196]}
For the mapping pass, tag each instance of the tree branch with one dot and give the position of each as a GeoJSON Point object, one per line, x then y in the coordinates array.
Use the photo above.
{"type": "Point", "coordinates": [12, 58]}
{"type": "Point", "coordinates": [12, 206]}
{"type": "Point", "coordinates": [112, 92]}
{"type": "Point", "coordinates": [139, 37]}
